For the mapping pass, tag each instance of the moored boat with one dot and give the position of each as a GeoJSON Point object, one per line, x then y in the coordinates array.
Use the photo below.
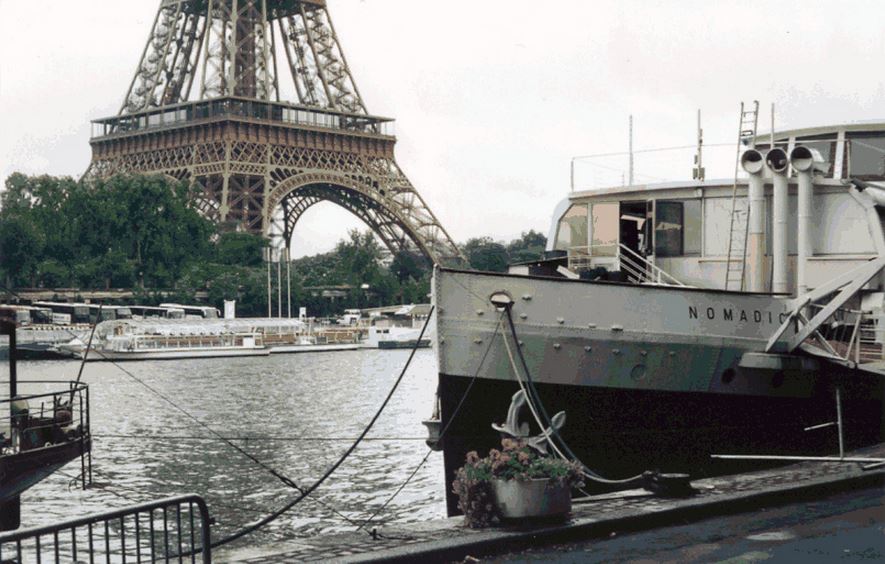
{"type": "Point", "coordinates": [675, 321]}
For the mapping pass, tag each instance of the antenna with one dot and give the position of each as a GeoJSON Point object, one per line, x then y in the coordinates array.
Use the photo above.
{"type": "Point", "coordinates": [698, 173]}
{"type": "Point", "coordinates": [631, 150]}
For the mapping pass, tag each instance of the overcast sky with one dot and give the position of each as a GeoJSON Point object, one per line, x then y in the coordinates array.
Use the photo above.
{"type": "Point", "coordinates": [492, 98]}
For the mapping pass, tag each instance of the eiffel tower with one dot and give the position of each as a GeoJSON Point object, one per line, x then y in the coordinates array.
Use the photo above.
{"type": "Point", "coordinates": [207, 106]}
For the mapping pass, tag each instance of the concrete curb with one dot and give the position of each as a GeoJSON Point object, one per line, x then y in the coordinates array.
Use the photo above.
{"type": "Point", "coordinates": [491, 542]}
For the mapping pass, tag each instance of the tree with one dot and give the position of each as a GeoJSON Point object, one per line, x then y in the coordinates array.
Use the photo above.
{"type": "Point", "coordinates": [485, 254]}
{"type": "Point", "coordinates": [21, 248]}
{"type": "Point", "coordinates": [408, 265]}
{"type": "Point", "coordinates": [240, 249]}
{"type": "Point", "coordinates": [530, 246]}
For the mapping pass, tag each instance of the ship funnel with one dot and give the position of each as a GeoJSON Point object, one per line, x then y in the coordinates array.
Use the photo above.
{"type": "Point", "coordinates": [805, 161]}
{"type": "Point", "coordinates": [752, 161]}
{"type": "Point", "coordinates": [777, 160]}
{"type": "Point", "coordinates": [779, 163]}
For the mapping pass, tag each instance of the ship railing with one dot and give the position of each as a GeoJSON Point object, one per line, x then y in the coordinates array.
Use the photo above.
{"type": "Point", "coordinates": [637, 268]}
{"type": "Point", "coordinates": [644, 270]}
{"type": "Point", "coordinates": [850, 334]}
{"type": "Point", "coordinates": [41, 418]}
{"type": "Point", "coordinates": [172, 529]}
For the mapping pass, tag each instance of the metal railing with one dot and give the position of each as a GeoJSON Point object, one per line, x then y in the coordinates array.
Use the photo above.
{"type": "Point", "coordinates": [171, 529]}
{"type": "Point", "coordinates": [851, 335]}
{"type": "Point", "coordinates": [231, 107]}
{"type": "Point", "coordinates": [637, 268]}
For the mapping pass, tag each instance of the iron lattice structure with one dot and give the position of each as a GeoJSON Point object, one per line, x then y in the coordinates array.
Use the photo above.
{"type": "Point", "coordinates": [207, 106]}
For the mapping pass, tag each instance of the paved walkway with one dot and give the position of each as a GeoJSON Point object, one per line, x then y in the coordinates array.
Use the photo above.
{"type": "Point", "coordinates": [447, 539]}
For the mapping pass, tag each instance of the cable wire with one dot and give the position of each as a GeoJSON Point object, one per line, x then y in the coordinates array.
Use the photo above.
{"type": "Point", "coordinates": [441, 434]}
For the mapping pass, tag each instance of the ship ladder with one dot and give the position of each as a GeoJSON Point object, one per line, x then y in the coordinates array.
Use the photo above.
{"type": "Point", "coordinates": [740, 208]}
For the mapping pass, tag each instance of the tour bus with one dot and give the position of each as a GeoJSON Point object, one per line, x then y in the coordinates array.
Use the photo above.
{"type": "Point", "coordinates": [67, 314]}
{"type": "Point", "coordinates": [148, 312]}
{"type": "Point", "coordinates": [195, 312]}
{"type": "Point", "coordinates": [29, 315]}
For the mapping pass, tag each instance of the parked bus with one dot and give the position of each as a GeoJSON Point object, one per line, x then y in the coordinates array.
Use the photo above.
{"type": "Point", "coordinates": [195, 312]}
{"type": "Point", "coordinates": [66, 314]}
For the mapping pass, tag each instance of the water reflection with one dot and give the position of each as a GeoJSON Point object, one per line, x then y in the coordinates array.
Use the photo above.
{"type": "Point", "coordinates": [312, 404]}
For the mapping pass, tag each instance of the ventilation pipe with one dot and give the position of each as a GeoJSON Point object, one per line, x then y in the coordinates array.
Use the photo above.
{"type": "Point", "coordinates": [804, 161]}
{"type": "Point", "coordinates": [779, 163]}
{"type": "Point", "coordinates": [752, 163]}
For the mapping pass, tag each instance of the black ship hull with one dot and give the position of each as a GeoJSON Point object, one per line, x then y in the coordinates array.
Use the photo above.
{"type": "Point", "coordinates": [622, 432]}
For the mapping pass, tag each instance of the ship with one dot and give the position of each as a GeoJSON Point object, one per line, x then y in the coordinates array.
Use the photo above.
{"type": "Point", "coordinates": [176, 339]}
{"type": "Point", "coordinates": [43, 426]}
{"type": "Point", "coordinates": [679, 321]}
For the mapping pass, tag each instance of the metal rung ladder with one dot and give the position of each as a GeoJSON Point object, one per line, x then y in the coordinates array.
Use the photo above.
{"type": "Point", "coordinates": [740, 208]}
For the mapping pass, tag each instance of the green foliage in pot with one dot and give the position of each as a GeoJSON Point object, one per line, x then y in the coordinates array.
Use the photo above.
{"type": "Point", "coordinates": [515, 461]}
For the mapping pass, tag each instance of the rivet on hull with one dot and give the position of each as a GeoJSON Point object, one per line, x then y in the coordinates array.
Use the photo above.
{"type": "Point", "coordinates": [560, 320]}
{"type": "Point", "coordinates": [591, 326]}
{"type": "Point", "coordinates": [557, 346]}
{"type": "Point", "coordinates": [527, 297]}
{"type": "Point", "coordinates": [588, 348]}
{"type": "Point", "coordinates": [478, 341]}
{"type": "Point", "coordinates": [616, 351]}
{"type": "Point", "coordinates": [479, 312]}
{"type": "Point", "coordinates": [522, 316]}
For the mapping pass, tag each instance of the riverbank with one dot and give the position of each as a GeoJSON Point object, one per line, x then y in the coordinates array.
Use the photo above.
{"type": "Point", "coordinates": [598, 518]}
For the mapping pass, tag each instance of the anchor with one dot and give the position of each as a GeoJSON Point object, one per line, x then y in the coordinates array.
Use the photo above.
{"type": "Point", "coordinates": [514, 429]}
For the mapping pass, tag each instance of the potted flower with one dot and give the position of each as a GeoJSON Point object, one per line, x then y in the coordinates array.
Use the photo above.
{"type": "Point", "coordinates": [516, 482]}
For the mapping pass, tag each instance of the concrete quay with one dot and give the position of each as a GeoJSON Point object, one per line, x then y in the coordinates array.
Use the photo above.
{"type": "Point", "coordinates": [598, 518]}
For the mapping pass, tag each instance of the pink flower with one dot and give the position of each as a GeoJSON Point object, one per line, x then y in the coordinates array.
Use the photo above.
{"type": "Point", "coordinates": [472, 457]}
{"type": "Point", "coordinates": [524, 458]}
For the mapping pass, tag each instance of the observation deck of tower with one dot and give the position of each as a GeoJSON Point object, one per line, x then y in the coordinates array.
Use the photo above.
{"type": "Point", "coordinates": [205, 107]}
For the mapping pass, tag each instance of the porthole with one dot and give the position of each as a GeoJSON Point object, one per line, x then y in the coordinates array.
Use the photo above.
{"type": "Point", "coordinates": [728, 376]}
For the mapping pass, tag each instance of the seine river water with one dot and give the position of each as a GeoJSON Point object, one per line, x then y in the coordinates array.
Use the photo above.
{"type": "Point", "coordinates": [299, 411]}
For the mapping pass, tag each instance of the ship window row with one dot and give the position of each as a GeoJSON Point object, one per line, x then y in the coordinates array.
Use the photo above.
{"type": "Point", "coordinates": [664, 228]}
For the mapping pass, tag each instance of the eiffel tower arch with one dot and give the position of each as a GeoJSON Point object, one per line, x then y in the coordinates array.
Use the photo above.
{"type": "Point", "coordinates": [253, 104]}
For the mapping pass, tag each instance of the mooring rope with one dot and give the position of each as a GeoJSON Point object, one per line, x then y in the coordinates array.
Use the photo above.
{"type": "Point", "coordinates": [276, 514]}
{"type": "Point", "coordinates": [442, 432]}
{"type": "Point", "coordinates": [533, 397]}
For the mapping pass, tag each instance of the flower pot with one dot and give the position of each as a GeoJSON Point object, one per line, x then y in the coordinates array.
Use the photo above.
{"type": "Point", "coordinates": [526, 499]}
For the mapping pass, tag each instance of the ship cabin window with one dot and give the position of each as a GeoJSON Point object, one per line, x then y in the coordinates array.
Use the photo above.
{"type": "Point", "coordinates": [572, 231]}
{"type": "Point", "coordinates": [825, 145]}
{"type": "Point", "coordinates": [605, 228]}
{"type": "Point", "coordinates": [677, 228]}
{"type": "Point", "coordinates": [865, 156]}
{"type": "Point", "coordinates": [635, 227]}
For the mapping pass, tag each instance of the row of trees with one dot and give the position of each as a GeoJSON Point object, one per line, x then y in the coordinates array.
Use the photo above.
{"type": "Point", "coordinates": [141, 232]}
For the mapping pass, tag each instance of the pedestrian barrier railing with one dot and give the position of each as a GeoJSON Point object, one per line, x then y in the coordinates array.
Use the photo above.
{"type": "Point", "coordinates": [175, 529]}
